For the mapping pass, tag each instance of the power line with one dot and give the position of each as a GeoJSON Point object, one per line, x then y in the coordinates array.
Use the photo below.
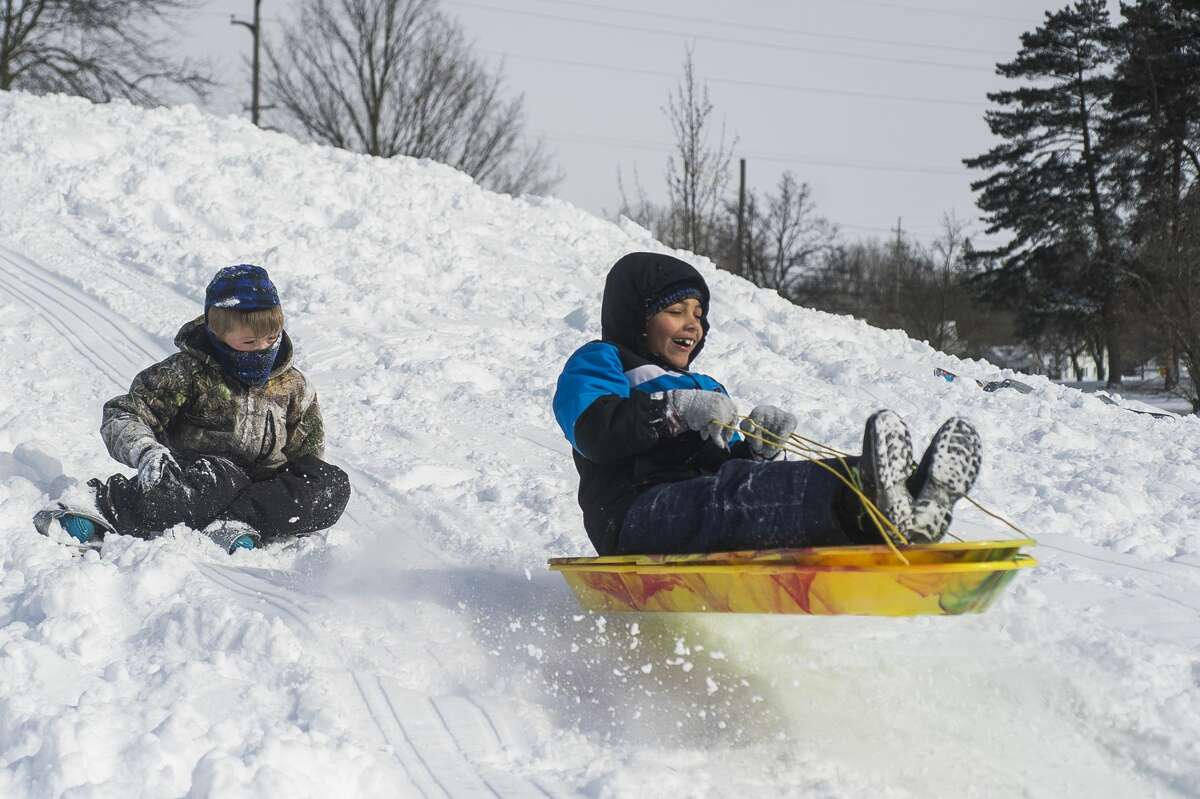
{"type": "Point", "coordinates": [228, 14]}
{"type": "Point", "coordinates": [739, 82]}
{"type": "Point", "coordinates": [915, 234]}
{"type": "Point", "coordinates": [766, 29]}
{"type": "Point", "coordinates": [723, 39]}
{"type": "Point", "coordinates": [942, 11]}
{"type": "Point", "coordinates": [635, 144]}
{"type": "Point", "coordinates": [787, 159]}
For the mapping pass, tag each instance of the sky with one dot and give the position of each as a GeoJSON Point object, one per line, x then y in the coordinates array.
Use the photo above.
{"type": "Point", "coordinates": [873, 104]}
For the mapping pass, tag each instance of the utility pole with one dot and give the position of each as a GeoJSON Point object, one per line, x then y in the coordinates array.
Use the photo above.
{"type": "Point", "coordinates": [741, 226]}
{"type": "Point", "coordinates": [896, 263]}
{"type": "Point", "coordinates": [254, 29]}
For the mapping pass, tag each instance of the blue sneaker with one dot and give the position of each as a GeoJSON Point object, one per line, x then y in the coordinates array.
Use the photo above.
{"type": "Point", "coordinates": [85, 528]}
{"type": "Point", "coordinates": [243, 542]}
{"type": "Point", "coordinates": [232, 535]}
{"type": "Point", "coordinates": [80, 528]}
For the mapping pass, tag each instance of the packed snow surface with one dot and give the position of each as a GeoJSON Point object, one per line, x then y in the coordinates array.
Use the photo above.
{"type": "Point", "coordinates": [423, 649]}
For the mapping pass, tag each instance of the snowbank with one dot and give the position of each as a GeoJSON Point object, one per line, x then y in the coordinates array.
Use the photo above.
{"type": "Point", "coordinates": [424, 650]}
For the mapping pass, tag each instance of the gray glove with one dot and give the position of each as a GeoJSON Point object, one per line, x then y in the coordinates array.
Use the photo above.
{"type": "Point", "coordinates": [771, 423]}
{"type": "Point", "coordinates": [702, 411]}
{"type": "Point", "coordinates": [152, 464]}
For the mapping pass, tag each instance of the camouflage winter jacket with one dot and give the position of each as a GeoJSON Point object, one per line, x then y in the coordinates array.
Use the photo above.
{"type": "Point", "coordinates": [188, 403]}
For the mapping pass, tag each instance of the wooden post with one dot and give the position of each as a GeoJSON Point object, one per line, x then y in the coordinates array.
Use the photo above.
{"type": "Point", "coordinates": [255, 28]}
{"type": "Point", "coordinates": [741, 221]}
{"type": "Point", "coordinates": [896, 265]}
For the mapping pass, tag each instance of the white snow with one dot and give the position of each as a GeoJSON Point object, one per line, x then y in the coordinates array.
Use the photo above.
{"type": "Point", "coordinates": [423, 650]}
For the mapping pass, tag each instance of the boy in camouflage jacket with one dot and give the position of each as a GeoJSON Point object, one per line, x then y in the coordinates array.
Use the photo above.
{"type": "Point", "coordinates": [225, 434]}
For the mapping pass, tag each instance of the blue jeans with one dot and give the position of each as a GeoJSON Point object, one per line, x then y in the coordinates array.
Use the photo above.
{"type": "Point", "coordinates": [745, 505]}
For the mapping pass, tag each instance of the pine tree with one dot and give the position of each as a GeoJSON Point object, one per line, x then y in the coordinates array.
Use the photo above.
{"type": "Point", "coordinates": [1156, 109]}
{"type": "Point", "coordinates": [1048, 185]}
{"type": "Point", "coordinates": [1155, 126]}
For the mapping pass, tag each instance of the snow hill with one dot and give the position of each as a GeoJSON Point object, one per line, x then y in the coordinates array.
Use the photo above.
{"type": "Point", "coordinates": [424, 650]}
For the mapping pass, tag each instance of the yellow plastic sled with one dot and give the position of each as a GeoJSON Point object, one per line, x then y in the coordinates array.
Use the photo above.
{"type": "Point", "coordinates": [939, 579]}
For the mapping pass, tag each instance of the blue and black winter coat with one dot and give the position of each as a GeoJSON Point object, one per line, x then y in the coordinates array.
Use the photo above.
{"type": "Point", "coordinates": [610, 405]}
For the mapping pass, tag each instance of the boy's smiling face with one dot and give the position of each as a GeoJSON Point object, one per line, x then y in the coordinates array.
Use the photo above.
{"type": "Point", "coordinates": [673, 333]}
{"type": "Point", "coordinates": [243, 339]}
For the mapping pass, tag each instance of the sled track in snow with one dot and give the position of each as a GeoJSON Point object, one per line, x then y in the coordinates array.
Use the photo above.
{"type": "Point", "coordinates": [97, 361]}
{"type": "Point", "coordinates": [51, 297]}
{"type": "Point", "coordinates": [296, 616]}
{"type": "Point", "coordinates": [391, 728]}
{"type": "Point", "coordinates": [101, 317]}
{"type": "Point", "coordinates": [385, 506]}
{"type": "Point", "coordinates": [441, 743]}
{"type": "Point", "coordinates": [282, 606]}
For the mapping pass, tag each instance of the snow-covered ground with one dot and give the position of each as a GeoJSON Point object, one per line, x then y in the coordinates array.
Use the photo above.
{"type": "Point", "coordinates": [424, 650]}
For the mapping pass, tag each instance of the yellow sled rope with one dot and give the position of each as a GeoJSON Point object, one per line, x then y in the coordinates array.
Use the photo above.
{"type": "Point", "coordinates": [927, 579]}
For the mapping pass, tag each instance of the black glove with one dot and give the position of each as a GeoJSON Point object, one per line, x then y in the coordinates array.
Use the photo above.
{"type": "Point", "coordinates": [153, 463]}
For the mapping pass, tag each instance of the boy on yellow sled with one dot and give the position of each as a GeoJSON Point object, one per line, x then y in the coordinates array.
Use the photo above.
{"type": "Point", "coordinates": [661, 471]}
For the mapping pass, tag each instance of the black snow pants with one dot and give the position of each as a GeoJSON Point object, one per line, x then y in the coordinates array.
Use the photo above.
{"type": "Point", "coordinates": [304, 496]}
{"type": "Point", "coordinates": [745, 505]}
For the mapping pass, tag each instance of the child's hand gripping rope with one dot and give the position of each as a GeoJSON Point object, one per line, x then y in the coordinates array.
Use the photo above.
{"type": "Point", "coordinates": [771, 427]}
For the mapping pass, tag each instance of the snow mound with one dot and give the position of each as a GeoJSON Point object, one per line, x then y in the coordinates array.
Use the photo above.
{"type": "Point", "coordinates": [422, 649]}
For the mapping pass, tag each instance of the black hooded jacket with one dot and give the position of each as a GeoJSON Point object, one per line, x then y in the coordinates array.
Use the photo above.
{"type": "Point", "coordinates": [610, 405]}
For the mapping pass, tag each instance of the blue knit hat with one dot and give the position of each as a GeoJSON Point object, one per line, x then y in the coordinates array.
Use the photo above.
{"type": "Point", "coordinates": [244, 287]}
{"type": "Point", "coordinates": [676, 292]}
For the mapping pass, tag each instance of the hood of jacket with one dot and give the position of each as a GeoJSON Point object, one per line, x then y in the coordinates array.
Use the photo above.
{"type": "Point", "coordinates": [632, 284]}
{"type": "Point", "coordinates": [191, 339]}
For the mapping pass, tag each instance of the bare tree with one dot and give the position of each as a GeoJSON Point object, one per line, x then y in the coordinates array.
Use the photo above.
{"type": "Point", "coordinates": [942, 297]}
{"type": "Point", "coordinates": [789, 239]}
{"type": "Point", "coordinates": [530, 169]}
{"type": "Point", "coordinates": [935, 301]}
{"type": "Point", "coordinates": [641, 209]}
{"type": "Point", "coordinates": [397, 77]}
{"type": "Point", "coordinates": [924, 290]}
{"type": "Point", "coordinates": [99, 49]}
{"type": "Point", "coordinates": [698, 172]}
